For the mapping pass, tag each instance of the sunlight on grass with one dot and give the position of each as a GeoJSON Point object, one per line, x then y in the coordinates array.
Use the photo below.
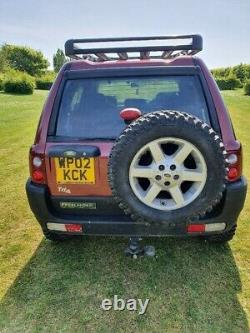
{"type": "Point", "coordinates": [19, 235]}
{"type": "Point", "coordinates": [193, 286]}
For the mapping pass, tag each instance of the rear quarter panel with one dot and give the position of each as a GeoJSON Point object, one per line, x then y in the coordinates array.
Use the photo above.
{"type": "Point", "coordinates": [225, 123]}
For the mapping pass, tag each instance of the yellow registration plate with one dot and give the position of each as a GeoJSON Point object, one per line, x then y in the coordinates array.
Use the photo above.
{"type": "Point", "coordinates": [71, 170]}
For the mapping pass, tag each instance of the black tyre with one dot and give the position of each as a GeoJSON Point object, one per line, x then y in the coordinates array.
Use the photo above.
{"type": "Point", "coordinates": [221, 238]}
{"type": "Point", "coordinates": [186, 187]}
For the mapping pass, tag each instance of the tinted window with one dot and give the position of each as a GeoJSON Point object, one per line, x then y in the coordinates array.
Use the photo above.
{"type": "Point", "coordinates": [90, 107]}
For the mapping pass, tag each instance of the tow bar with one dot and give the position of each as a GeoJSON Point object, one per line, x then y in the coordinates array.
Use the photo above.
{"type": "Point", "coordinates": [135, 249]}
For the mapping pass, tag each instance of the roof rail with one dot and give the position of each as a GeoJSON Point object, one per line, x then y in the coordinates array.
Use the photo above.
{"type": "Point", "coordinates": [75, 50]}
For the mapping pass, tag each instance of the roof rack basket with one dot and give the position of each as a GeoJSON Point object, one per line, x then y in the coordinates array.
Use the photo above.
{"type": "Point", "coordinates": [74, 48]}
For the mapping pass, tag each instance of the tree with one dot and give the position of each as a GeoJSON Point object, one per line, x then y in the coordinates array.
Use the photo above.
{"type": "Point", "coordinates": [247, 71]}
{"type": "Point", "coordinates": [3, 61]}
{"type": "Point", "coordinates": [25, 59]}
{"type": "Point", "coordinates": [58, 60]}
{"type": "Point", "coordinates": [221, 72]}
{"type": "Point", "coordinates": [239, 72]}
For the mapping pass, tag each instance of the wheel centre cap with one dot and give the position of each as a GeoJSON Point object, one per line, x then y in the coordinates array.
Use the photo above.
{"type": "Point", "coordinates": [167, 175]}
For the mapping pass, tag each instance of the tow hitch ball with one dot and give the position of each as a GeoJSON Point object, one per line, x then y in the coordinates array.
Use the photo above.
{"type": "Point", "coordinates": [135, 249]}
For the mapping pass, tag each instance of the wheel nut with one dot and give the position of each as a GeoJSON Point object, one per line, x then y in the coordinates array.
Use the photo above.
{"type": "Point", "coordinates": [161, 167]}
{"type": "Point", "coordinates": [176, 177]}
{"type": "Point", "coordinates": [172, 167]}
{"type": "Point", "coordinates": [167, 183]}
{"type": "Point", "coordinates": [158, 177]}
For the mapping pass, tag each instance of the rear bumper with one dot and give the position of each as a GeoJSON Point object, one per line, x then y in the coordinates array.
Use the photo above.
{"type": "Point", "coordinates": [106, 223]}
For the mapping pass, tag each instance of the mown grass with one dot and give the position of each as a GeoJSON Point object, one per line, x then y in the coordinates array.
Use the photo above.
{"type": "Point", "coordinates": [46, 287]}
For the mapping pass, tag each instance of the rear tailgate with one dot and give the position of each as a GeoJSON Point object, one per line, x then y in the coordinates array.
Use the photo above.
{"type": "Point", "coordinates": [78, 169]}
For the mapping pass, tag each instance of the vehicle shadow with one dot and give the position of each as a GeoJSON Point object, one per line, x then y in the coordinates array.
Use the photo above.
{"type": "Point", "coordinates": [192, 287]}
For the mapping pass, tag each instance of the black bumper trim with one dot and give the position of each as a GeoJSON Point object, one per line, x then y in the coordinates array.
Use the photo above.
{"type": "Point", "coordinates": [120, 224]}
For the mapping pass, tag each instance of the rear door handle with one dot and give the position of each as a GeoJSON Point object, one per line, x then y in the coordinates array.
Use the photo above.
{"type": "Point", "coordinates": [74, 151]}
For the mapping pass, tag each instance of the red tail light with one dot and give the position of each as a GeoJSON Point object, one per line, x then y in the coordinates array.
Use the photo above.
{"type": "Point", "coordinates": [37, 176]}
{"type": "Point", "coordinates": [234, 159]}
{"type": "Point", "coordinates": [37, 167]}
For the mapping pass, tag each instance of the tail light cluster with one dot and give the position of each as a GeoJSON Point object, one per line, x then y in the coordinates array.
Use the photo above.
{"type": "Point", "coordinates": [234, 160]}
{"type": "Point", "coordinates": [37, 167]}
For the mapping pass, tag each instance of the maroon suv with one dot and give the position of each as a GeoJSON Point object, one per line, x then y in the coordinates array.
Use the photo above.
{"type": "Point", "coordinates": [136, 141]}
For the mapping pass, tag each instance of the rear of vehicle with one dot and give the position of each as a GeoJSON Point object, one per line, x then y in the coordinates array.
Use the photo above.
{"type": "Point", "coordinates": [69, 190]}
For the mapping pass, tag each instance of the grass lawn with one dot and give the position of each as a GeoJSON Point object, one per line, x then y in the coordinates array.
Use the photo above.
{"type": "Point", "coordinates": [192, 286]}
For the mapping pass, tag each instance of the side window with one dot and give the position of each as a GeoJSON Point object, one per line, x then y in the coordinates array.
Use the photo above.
{"type": "Point", "coordinates": [71, 105]}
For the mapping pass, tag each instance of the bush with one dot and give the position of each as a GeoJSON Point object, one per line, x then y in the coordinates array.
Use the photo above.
{"type": "Point", "coordinates": [18, 83]}
{"type": "Point", "coordinates": [221, 72]}
{"type": "Point", "coordinates": [247, 88]}
{"type": "Point", "coordinates": [1, 81]}
{"type": "Point", "coordinates": [229, 83]}
{"type": "Point", "coordinates": [45, 82]}
{"type": "Point", "coordinates": [241, 72]}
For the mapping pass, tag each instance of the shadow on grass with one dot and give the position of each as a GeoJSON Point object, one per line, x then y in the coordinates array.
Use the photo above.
{"type": "Point", "coordinates": [192, 287]}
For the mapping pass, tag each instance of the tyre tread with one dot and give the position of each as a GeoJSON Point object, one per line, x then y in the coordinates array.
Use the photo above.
{"type": "Point", "coordinates": [146, 122]}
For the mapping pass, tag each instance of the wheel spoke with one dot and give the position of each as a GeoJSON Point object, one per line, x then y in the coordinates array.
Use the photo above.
{"type": "Point", "coordinates": [177, 195]}
{"type": "Point", "coordinates": [152, 193]}
{"type": "Point", "coordinates": [142, 172]}
{"type": "Point", "coordinates": [166, 171]}
{"type": "Point", "coordinates": [182, 153]}
{"type": "Point", "coordinates": [156, 152]}
{"type": "Point", "coordinates": [192, 175]}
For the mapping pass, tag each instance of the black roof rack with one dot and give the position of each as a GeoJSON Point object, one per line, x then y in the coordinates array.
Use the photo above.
{"type": "Point", "coordinates": [75, 50]}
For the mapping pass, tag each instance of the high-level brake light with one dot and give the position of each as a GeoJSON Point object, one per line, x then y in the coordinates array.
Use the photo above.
{"type": "Point", "coordinates": [130, 114]}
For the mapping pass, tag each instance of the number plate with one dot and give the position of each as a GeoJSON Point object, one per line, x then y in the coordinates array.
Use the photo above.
{"type": "Point", "coordinates": [71, 170]}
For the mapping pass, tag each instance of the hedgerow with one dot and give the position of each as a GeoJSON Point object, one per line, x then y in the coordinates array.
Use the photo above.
{"type": "Point", "coordinates": [229, 83]}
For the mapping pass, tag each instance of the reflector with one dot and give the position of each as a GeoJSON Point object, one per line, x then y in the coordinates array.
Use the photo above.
{"type": "Point", "coordinates": [73, 227]}
{"type": "Point", "coordinates": [56, 226]}
{"type": "Point", "coordinates": [196, 228]}
{"type": "Point", "coordinates": [215, 227]}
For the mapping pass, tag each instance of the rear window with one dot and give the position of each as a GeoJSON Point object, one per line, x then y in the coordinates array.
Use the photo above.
{"type": "Point", "coordinates": [90, 108]}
